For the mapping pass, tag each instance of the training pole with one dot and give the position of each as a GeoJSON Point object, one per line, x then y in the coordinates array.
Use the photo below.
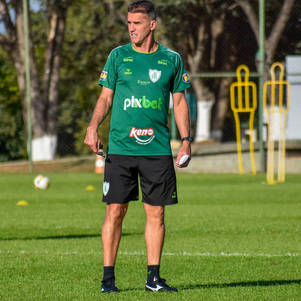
{"type": "Point", "coordinates": [28, 85]}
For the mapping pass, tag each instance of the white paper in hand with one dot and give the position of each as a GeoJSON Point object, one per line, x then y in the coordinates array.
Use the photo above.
{"type": "Point", "coordinates": [183, 159]}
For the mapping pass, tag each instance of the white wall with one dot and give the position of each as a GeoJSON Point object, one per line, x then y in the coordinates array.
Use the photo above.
{"type": "Point", "coordinates": [293, 65]}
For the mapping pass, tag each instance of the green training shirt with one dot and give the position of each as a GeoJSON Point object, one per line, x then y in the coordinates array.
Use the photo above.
{"type": "Point", "coordinates": [142, 83]}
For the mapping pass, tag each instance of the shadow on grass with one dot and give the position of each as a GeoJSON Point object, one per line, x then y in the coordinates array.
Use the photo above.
{"type": "Point", "coordinates": [243, 284]}
{"type": "Point", "coordinates": [224, 285]}
{"type": "Point", "coordinates": [67, 236]}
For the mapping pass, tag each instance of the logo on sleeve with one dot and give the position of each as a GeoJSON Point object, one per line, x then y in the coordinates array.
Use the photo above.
{"type": "Point", "coordinates": [154, 75]}
{"type": "Point", "coordinates": [185, 78]}
{"type": "Point", "coordinates": [103, 75]}
{"type": "Point", "coordinates": [142, 136]}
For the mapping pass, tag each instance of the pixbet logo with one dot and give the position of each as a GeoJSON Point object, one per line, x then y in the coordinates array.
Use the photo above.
{"type": "Point", "coordinates": [142, 103]}
{"type": "Point", "coordinates": [147, 133]}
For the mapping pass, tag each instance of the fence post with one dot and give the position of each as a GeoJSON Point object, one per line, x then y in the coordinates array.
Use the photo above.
{"type": "Point", "coordinates": [261, 82]}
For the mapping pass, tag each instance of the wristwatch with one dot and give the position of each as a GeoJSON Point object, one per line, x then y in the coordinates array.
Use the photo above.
{"type": "Point", "coordinates": [187, 139]}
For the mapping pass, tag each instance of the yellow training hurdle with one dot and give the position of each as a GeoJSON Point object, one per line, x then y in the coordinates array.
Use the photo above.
{"type": "Point", "coordinates": [275, 106]}
{"type": "Point", "coordinates": [246, 103]}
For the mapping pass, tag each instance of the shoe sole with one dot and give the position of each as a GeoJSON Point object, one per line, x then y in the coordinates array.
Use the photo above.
{"type": "Point", "coordinates": [160, 290]}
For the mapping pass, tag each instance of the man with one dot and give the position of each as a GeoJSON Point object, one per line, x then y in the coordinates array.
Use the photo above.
{"type": "Point", "coordinates": [136, 82]}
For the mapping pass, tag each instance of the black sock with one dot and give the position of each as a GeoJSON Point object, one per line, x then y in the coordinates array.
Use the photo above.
{"type": "Point", "coordinates": [152, 272]}
{"type": "Point", "coordinates": [108, 274]}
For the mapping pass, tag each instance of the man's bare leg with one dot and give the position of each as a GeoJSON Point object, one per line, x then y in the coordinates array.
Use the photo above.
{"type": "Point", "coordinates": [154, 238]}
{"type": "Point", "coordinates": [154, 233]}
{"type": "Point", "coordinates": [111, 235]}
{"type": "Point", "coordinates": [111, 232]}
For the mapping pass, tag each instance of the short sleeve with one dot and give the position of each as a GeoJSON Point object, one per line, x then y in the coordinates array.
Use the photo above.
{"type": "Point", "coordinates": [108, 76]}
{"type": "Point", "coordinates": [181, 79]}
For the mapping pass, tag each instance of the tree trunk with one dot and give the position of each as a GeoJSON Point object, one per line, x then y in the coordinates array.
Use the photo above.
{"type": "Point", "coordinates": [54, 81]}
{"type": "Point", "coordinates": [227, 58]}
{"type": "Point", "coordinates": [277, 30]}
{"type": "Point", "coordinates": [273, 38]}
{"type": "Point", "coordinates": [221, 108]}
{"type": "Point", "coordinates": [203, 94]}
{"type": "Point", "coordinates": [44, 97]}
{"type": "Point", "coordinates": [46, 145]}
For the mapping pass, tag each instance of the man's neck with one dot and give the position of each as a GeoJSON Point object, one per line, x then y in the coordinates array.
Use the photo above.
{"type": "Point", "coordinates": [147, 47]}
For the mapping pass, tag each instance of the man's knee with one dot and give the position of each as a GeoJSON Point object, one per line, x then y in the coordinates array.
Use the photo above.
{"type": "Point", "coordinates": [116, 212]}
{"type": "Point", "coordinates": [155, 213]}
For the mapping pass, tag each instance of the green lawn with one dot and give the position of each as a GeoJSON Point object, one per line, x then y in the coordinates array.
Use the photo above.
{"type": "Point", "coordinates": [231, 237]}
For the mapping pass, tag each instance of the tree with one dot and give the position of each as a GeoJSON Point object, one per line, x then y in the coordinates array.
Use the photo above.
{"type": "Point", "coordinates": [84, 54]}
{"type": "Point", "coordinates": [214, 36]}
{"type": "Point", "coordinates": [277, 16]}
{"type": "Point", "coordinates": [44, 79]}
{"type": "Point", "coordinates": [214, 32]}
{"type": "Point", "coordinates": [276, 29]}
{"type": "Point", "coordinates": [11, 130]}
{"type": "Point", "coordinates": [198, 34]}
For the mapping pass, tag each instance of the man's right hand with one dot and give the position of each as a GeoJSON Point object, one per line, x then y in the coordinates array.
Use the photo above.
{"type": "Point", "coordinates": [92, 139]}
{"type": "Point", "coordinates": [101, 110]}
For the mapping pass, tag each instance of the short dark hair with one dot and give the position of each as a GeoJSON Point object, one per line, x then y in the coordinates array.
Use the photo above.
{"type": "Point", "coordinates": [143, 6]}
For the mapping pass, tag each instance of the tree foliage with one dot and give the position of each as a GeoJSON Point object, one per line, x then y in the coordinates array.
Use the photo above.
{"type": "Point", "coordinates": [12, 132]}
{"type": "Point", "coordinates": [211, 35]}
{"type": "Point", "coordinates": [84, 54]}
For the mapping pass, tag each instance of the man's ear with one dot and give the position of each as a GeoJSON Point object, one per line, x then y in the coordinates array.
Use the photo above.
{"type": "Point", "coordinates": [153, 24]}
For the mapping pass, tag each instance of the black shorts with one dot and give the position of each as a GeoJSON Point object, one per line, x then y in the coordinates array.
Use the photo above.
{"type": "Point", "coordinates": [157, 180]}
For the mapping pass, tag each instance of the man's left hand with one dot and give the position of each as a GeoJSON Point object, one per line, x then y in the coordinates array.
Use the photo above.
{"type": "Point", "coordinates": [184, 150]}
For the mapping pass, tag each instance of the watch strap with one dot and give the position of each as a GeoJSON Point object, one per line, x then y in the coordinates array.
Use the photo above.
{"type": "Point", "coordinates": [187, 139]}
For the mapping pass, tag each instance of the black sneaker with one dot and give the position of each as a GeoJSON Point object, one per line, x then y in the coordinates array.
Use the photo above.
{"type": "Point", "coordinates": [159, 285]}
{"type": "Point", "coordinates": [109, 287]}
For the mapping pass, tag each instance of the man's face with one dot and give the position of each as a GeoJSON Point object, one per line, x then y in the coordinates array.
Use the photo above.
{"type": "Point", "coordinates": [140, 26]}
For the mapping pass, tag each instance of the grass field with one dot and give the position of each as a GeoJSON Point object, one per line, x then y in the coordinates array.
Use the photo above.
{"type": "Point", "coordinates": [230, 238]}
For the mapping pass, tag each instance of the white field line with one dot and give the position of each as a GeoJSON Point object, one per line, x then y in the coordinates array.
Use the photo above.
{"type": "Point", "coordinates": [142, 253]}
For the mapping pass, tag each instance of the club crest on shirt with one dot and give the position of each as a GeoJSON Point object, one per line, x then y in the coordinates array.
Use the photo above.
{"type": "Point", "coordinates": [106, 187]}
{"type": "Point", "coordinates": [154, 75]}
